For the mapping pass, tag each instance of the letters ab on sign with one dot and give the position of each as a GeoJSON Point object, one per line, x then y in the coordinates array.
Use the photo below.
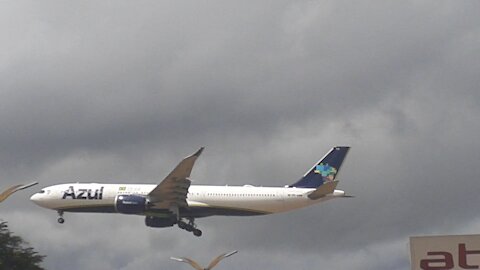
{"type": "Point", "coordinates": [447, 252]}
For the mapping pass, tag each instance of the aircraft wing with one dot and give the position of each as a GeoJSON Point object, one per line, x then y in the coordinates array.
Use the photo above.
{"type": "Point", "coordinates": [171, 193]}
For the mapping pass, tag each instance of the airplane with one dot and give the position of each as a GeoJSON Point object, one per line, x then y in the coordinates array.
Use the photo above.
{"type": "Point", "coordinates": [176, 202]}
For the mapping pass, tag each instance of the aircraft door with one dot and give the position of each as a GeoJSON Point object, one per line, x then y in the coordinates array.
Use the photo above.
{"type": "Point", "coordinates": [279, 197]}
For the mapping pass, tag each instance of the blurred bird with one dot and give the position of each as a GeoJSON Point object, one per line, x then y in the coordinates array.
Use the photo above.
{"type": "Point", "coordinates": [210, 266]}
{"type": "Point", "coordinates": [11, 190]}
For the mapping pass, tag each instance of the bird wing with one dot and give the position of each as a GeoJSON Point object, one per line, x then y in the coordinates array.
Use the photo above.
{"type": "Point", "coordinates": [189, 261]}
{"type": "Point", "coordinates": [4, 195]}
{"type": "Point", "coordinates": [215, 261]}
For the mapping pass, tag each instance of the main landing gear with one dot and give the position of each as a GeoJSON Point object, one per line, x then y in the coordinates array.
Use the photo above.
{"type": "Point", "coordinates": [60, 217]}
{"type": "Point", "coordinates": [189, 227]}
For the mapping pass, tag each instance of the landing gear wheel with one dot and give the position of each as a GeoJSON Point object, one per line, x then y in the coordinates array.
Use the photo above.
{"type": "Point", "coordinates": [60, 217]}
{"type": "Point", "coordinates": [197, 232]}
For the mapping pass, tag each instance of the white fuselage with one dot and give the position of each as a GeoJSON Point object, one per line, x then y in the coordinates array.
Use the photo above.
{"type": "Point", "coordinates": [174, 201]}
{"type": "Point", "coordinates": [232, 200]}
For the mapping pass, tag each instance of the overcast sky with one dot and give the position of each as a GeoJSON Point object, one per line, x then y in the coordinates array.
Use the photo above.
{"type": "Point", "coordinates": [119, 92]}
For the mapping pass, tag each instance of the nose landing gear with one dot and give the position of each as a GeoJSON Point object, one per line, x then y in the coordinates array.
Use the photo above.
{"type": "Point", "coordinates": [60, 218]}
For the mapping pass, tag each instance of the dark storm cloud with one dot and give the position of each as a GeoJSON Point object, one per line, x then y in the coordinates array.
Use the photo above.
{"type": "Point", "coordinates": [120, 92]}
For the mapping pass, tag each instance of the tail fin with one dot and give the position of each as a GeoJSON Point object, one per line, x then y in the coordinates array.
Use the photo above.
{"type": "Point", "coordinates": [324, 170]}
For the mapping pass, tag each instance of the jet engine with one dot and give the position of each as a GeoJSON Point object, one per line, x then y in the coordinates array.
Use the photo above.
{"type": "Point", "coordinates": [130, 204]}
{"type": "Point", "coordinates": [158, 222]}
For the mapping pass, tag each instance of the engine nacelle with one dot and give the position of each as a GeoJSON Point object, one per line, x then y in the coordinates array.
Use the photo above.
{"type": "Point", "coordinates": [130, 204]}
{"type": "Point", "coordinates": [158, 222]}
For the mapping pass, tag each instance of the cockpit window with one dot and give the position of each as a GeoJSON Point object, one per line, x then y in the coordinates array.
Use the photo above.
{"type": "Point", "coordinates": [41, 191]}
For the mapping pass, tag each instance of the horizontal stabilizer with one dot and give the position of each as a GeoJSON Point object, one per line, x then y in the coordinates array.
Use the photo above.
{"type": "Point", "coordinates": [323, 190]}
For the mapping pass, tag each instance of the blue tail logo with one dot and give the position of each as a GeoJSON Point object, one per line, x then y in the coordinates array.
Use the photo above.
{"type": "Point", "coordinates": [324, 170]}
{"type": "Point", "coordinates": [328, 172]}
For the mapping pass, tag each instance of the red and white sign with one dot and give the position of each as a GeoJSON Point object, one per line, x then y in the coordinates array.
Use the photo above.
{"type": "Point", "coordinates": [445, 252]}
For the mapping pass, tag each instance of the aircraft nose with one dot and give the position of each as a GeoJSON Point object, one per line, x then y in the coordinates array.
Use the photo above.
{"type": "Point", "coordinates": [35, 198]}
{"type": "Point", "coordinates": [40, 199]}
